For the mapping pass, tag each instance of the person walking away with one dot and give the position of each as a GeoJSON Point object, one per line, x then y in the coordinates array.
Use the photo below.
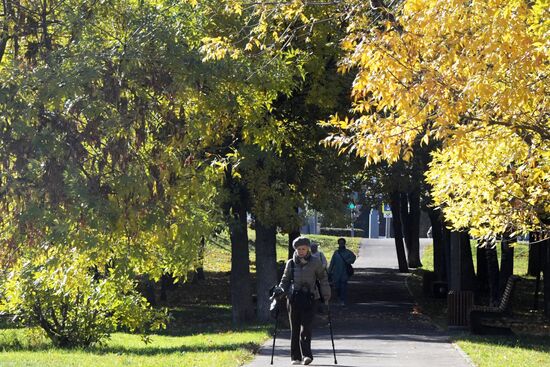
{"type": "Point", "coordinates": [338, 272]}
{"type": "Point", "coordinates": [298, 281]}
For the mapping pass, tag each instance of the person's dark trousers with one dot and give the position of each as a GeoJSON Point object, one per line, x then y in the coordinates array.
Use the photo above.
{"type": "Point", "coordinates": [301, 321]}
{"type": "Point", "coordinates": [342, 290]}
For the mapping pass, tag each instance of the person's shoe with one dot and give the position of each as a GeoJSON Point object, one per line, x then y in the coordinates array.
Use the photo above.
{"type": "Point", "coordinates": [307, 360]}
{"type": "Point", "coordinates": [296, 362]}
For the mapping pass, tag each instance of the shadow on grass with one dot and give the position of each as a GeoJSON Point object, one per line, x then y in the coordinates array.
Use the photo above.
{"type": "Point", "coordinates": [153, 351]}
{"type": "Point", "coordinates": [193, 319]}
{"type": "Point", "coordinates": [214, 290]}
{"type": "Point", "coordinates": [144, 350]}
{"type": "Point", "coordinates": [206, 328]}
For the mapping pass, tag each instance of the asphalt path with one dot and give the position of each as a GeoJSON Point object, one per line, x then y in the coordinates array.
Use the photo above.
{"type": "Point", "coordinates": [380, 327]}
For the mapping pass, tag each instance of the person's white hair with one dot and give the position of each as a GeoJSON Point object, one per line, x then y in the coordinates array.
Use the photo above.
{"type": "Point", "coordinates": [301, 241]}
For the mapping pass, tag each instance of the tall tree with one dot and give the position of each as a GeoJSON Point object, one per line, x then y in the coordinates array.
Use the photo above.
{"type": "Point", "coordinates": [303, 173]}
{"type": "Point", "coordinates": [241, 93]}
{"type": "Point", "coordinates": [430, 73]}
{"type": "Point", "coordinates": [94, 153]}
{"type": "Point", "coordinates": [118, 123]}
{"type": "Point", "coordinates": [236, 217]}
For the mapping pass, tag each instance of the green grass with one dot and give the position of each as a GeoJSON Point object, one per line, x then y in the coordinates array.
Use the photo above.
{"type": "Point", "coordinates": [198, 335]}
{"type": "Point", "coordinates": [230, 348]}
{"type": "Point", "coordinates": [497, 351]}
{"type": "Point", "coordinates": [494, 350]}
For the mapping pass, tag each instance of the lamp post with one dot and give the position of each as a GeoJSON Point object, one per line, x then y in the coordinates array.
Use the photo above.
{"type": "Point", "coordinates": [351, 207]}
{"type": "Point", "coordinates": [386, 210]}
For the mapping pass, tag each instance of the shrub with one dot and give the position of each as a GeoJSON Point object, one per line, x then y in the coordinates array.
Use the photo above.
{"type": "Point", "coordinates": [72, 304]}
{"type": "Point", "coordinates": [342, 232]}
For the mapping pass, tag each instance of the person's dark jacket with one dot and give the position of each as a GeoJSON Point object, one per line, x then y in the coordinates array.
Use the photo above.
{"type": "Point", "coordinates": [337, 267]}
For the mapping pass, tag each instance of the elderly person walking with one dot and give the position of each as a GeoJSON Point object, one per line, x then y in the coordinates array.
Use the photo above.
{"type": "Point", "coordinates": [316, 252]}
{"type": "Point", "coordinates": [299, 282]}
{"type": "Point", "coordinates": [337, 269]}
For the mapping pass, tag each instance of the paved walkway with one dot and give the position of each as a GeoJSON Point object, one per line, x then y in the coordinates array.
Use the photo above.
{"type": "Point", "coordinates": [379, 328]}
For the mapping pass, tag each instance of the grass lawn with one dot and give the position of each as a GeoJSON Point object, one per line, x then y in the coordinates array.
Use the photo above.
{"type": "Point", "coordinates": [228, 349]}
{"type": "Point", "coordinates": [200, 333]}
{"type": "Point", "coordinates": [492, 350]}
{"type": "Point", "coordinates": [498, 351]}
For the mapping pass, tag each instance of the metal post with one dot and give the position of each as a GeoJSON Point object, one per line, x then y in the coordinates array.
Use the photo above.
{"type": "Point", "coordinates": [351, 216]}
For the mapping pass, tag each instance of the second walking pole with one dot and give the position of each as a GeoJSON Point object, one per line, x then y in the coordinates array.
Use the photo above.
{"type": "Point", "coordinates": [331, 335]}
{"type": "Point", "coordinates": [275, 334]}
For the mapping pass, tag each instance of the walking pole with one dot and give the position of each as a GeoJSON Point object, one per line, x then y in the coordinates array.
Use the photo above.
{"type": "Point", "coordinates": [275, 334]}
{"type": "Point", "coordinates": [331, 335]}
{"type": "Point", "coordinates": [329, 322]}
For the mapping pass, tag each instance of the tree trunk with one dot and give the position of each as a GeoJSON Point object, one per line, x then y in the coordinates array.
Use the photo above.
{"type": "Point", "coordinates": [398, 233]}
{"type": "Point", "coordinates": [292, 235]}
{"type": "Point", "coordinates": [492, 274]}
{"type": "Point", "coordinates": [266, 268]}
{"type": "Point", "coordinates": [461, 271]}
{"type": "Point", "coordinates": [18, 20]}
{"type": "Point", "coordinates": [414, 229]}
{"type": "Point", "coordinates": [409, 210]}
{"type": "Point", "coordinates": [535, 255]}
{"type": "Point", "coordinates": [242, 307]}
{"type": "Point", "coordinates": [404, 218]}
{"type": "Point", "coordinates": [446, 239]}
{"type": "Point", "coordinates": [506, 260]}
{"type": "Point", "coordinates": [482, 268]}
{"type": "Point", "coordinates": [438, 244]}
{"type": "Point", "coordinates": [467, 263]}
{"type": "Point", "coordinates": [545, 250]}
{"type": "Point", "coordinates": [199, 272]}
{"type": "Point", "coordinates": [241, 295]}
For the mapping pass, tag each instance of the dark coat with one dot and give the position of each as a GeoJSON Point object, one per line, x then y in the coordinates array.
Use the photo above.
{"type": "Point", "coordinates": [337, 267]}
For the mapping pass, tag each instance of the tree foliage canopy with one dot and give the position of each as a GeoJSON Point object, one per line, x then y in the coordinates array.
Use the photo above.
{"type": "Point", "coordinates": [115, 126]}
{"type": "Point", "coordinates": [473, 75]}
